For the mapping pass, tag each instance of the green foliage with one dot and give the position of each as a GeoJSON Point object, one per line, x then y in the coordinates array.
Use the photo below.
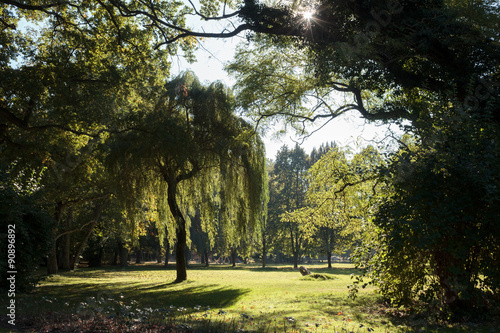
{"type": "Point", "coordinates": [26, 228]}
{"type": "Point", "coordinates": [72, 75]}
{"type": "Point", "coordinates": [438, 232]}
{"type": "Point", "coordinates": [189, 155]}
{"type": "Point", "coordinates": [434, 64]}
{"type": "Point", "coordinates": [340, 199]}
{"type": "Point", "coordinates": [288, 188]}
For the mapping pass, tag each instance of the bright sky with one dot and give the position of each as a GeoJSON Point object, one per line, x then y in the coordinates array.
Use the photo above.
{"type": "Point", "coordinates": [346, 130]}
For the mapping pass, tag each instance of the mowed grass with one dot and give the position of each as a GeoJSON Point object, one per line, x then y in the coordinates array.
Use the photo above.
{"type": "Point", "coordinates": [275, 299]}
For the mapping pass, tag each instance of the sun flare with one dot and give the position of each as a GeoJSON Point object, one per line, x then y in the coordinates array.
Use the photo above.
{"type": "Point", "coordinates": [308, 15]}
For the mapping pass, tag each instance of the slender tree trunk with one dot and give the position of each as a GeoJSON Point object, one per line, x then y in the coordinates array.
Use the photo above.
{"type": "Point", "coordinates": [329, 255]}
{"type": "Point", "coordinates": [158, 255]}
{"type": "Point", "coordinates": [66, 260]}
{"type": "Point", "coordinates": [138, 256]}
{"type": "Point", "coordinates": [76, 257]}
{"type": "Point", "coordinates": [295, 251]}
{"type": "Point", "coordinates": [81, 246]}
{"type": "Point", "coordinates": [167, 253]}
{"type": "Point", "coordinates": [264, 252]}
{"type": "Point", "coordinates": [295, 259]}
{"type": "Point", "coordinates": [166, 244]}
{"type": "Point", "coordinates": [123, 253]}
{"type": "Point", "coordinates": [206, 258]}
{"type": "Point", "coordinates": [52, 267]}
{"type": "Point", "coordinates": [188, 256]}
{"type": "Point", "coordinates": [233, 257]}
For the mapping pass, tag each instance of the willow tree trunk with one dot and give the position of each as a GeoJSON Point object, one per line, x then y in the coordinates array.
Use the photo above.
{"type": "Point", "coordinates": [180, 231]}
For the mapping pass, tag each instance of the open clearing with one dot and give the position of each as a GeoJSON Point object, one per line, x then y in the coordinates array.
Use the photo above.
{"type": "Point", "coordinates": [244, 298]}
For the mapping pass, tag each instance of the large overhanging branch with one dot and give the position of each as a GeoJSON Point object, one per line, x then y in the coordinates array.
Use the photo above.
{"type": "Point", "coordinates": [41, 7]}
{"type": "Point", "coordinates": [254, 17]}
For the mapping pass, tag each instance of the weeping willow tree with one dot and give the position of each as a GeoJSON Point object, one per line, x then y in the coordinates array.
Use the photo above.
{"type": "Point", "coordinates": [189, 152]}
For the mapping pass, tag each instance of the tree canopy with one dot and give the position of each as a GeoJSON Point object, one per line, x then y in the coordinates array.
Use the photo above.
{"type": "Point", "coordinates": [190, 153]}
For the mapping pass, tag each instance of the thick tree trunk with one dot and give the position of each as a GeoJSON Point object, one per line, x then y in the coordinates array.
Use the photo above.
{"type": "Point", "coordinates": [180, 252]}
{"type": "Point", "coordinates": [180, 232]}
{"type": "Point", "coordinates": [329, 255]}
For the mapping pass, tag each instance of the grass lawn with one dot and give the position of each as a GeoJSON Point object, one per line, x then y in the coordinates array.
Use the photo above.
{"type": "Point", "coordinates": [245, 298]}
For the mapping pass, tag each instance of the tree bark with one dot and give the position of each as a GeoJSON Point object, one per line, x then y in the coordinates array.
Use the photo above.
{"type": "Point", "coordinates": [167, 253]}
{"type": "Point", "coordinates": [138, 255]}
{"type": "Point", "coordinates": [180, 232]}
{"type": "Point", "coordinates": [81, 246]}
{"type": "Point", "coordinates": [123, 253]}
{"type": "Point", "coordinates": [329, 255]}
{"type": "Point", "coordinates": [52, 267]}
{"type": "Point", "coordinates": [180, 255]}
{"type": "Point", "coordinates": [264, 252]}
{"type": "Point", "coordinates": [166, 244]}
{"type": "Point", "coordinates": [233, 257]}
{"type": "Point", "coordinates": [158, 256]}
{"type": "Point", "coordinates": [295, 259]}
{"type": "Point", "coordinates": [206, 258]}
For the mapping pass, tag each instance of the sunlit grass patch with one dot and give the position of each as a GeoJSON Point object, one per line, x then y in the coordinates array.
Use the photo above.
{"type": "Point", "coordinates": [218, 298]}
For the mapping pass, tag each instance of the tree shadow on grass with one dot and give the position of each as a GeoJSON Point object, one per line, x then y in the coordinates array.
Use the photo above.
{"type": "Point", "coordinates": [67, 298]}
{"type": "Point", "coordinates": [340, 269]}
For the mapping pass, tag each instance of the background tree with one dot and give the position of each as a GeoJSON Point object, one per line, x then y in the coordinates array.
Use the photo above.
{"type": "Point", "coordinates": [438, 236]}
{"type": "Point", "coordinates": [339, 199]}
{"type": "Point", "coordinates": [289, 173]}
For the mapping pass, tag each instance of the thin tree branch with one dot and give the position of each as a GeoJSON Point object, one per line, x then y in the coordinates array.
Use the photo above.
{"type": "Point", "coordinates": [207, 18]}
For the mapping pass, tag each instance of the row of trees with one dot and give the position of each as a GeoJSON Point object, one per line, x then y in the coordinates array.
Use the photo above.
{"type": "Point", "coordinates": [319, 204]}
{"type": "Point", "coordinates": [95, 134]}
{"type": "Point", "coordinates": [431, 66]}
{"type": "Point", "coordinates": [94, 72]}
